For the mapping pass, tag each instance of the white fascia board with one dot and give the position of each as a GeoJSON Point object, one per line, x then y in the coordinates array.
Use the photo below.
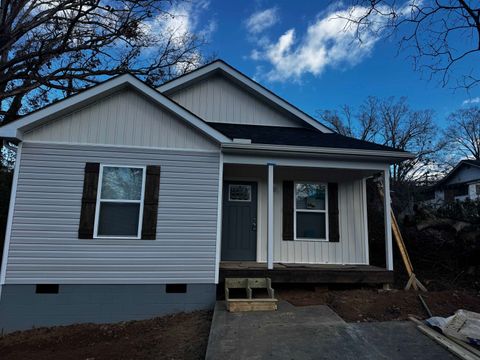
{"type": "Point", "coordinates": [308, 162]}
{"type": "Point", "coordinates": [378, 155]}
{"type": "Point", "coordinates": [15, 129]}
{"type": "Point", "coordinates": [246, 81]}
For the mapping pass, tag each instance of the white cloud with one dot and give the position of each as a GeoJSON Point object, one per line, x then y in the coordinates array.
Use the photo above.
{"type": "Point", "coordinates": [261, 20]}
{"type": "Point", "coordinates": [475, 100]}
{"type": "Point", "coordinates": [330, 41]}
{"type": "Point", "coordinates": [182, 21]}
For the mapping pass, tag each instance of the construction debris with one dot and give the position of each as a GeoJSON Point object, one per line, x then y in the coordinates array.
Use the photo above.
{"type": "Point", "coordinates": [460, 332]}
{"type": "Point", "coordinates": [463, 325]}
{"type": "Point", "coordinates": [459, 350]}
{"type": "Point", "coordinates": [412, 279]}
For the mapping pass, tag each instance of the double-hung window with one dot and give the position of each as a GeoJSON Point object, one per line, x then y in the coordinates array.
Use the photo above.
{"type": "Point", "coordinates": [120, 199]}
{"type": "Point", "coordinates": [311, 211]}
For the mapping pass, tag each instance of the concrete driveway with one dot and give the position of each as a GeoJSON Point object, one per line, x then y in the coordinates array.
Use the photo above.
{"type": "Point", "coordinates": [313, 332]}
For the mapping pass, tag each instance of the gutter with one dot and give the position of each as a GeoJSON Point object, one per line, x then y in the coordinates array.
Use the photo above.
{"type": "Point", "coordinates": [308, 150]}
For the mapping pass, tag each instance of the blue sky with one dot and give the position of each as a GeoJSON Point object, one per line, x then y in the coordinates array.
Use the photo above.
{"type": "Point", "coordinates": [277, 43]}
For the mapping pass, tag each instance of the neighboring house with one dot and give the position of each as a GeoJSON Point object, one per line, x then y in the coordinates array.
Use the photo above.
{"type": "Point", "coordinates": [127, 201]}
{"type": "Point", "coordinates": [460, 184]}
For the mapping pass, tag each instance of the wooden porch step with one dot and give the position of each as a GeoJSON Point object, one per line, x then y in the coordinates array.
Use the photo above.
{"type": "Point", "coordinates": [240, 305]}
{"type": "Point", "coordinates": [250, 303]}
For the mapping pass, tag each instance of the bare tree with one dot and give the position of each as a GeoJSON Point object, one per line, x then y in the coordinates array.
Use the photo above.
{"type": "Point", "coordinates": [52, 49]}
{"type": "Point", "coordinates": [393, 123]}
{"type": "Point", "coordinates": [410, 130]}
{"type": "Point", "coordinates": [463, 132]}
{"type": "Point", "coordinates": [440, 35]}
{"type": "Point", "coordinates": [364, 127]}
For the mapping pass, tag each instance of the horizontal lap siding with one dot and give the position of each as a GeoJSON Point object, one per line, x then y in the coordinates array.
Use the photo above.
{"type": "Point", "coordinates": [44, 246]}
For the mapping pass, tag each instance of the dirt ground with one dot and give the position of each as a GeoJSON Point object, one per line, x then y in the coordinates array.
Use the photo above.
{"type": "Point", "coordinates": [182, 336]}
{"type": "Point", "coordinates": [185, 336]}
{"type": "Point", "coordinates": [377, 305]}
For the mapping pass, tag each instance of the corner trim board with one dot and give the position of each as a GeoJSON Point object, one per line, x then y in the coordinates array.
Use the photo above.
{"type": "Point", "coordinates": [11, 209]}
{"type": "Point", "coordinates": [219, 219]}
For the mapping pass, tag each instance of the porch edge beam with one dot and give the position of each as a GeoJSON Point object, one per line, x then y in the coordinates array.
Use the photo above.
{"type": "Point", "coordinates": [270, 210]}
{"type": "Point", "coordinates": [388, 219]}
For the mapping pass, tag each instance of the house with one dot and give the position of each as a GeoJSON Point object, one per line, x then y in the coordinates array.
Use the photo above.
{"type": "Point", "coordinates": [460, 184]}
{"type": "Point", "coordinates": [130, 202]}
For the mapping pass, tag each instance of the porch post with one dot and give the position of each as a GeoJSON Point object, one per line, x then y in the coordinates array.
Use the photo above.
{"type": "Point", "coordinates": [270, 217]}
{"type": "Point", "coordinates": [388, 219]}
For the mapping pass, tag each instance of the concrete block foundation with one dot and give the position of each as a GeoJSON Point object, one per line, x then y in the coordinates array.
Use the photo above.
{"type": "Point", "coordinates": [22, 308]}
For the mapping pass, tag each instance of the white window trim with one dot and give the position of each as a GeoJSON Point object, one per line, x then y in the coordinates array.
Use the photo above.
{"type": "Point", "coordinates": [99, 200]}
{"type": "Point", "coordinates": [295, 237]}
{"type": "Point", "coordinates": [236, 200]}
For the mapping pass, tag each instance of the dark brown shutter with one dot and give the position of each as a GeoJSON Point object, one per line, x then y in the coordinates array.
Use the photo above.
{"type": "Point", "coordinates": [288, 210]}
{"type": "Point", "coordinates": [150, 204]}
{"type": "Point", "coordinates": [89, 200]}
{"type": "Point", "coordinates": [333, 225]}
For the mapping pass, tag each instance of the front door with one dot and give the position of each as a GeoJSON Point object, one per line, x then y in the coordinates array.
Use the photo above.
{"type": "Point", "coordinates": [239, 224]}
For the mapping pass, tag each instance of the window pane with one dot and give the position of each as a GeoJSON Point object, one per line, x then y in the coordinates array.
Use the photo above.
{"type": "Point", "coordinates": [239, 193]}
{"type": "Point", "coordinates": [117, 219]}
{"type": "Point", "coordinates": [311, 225]}
{"type": "Point", "coordinates": [310, 196]}
{"type": "Point", "coordinates": [122, 183]}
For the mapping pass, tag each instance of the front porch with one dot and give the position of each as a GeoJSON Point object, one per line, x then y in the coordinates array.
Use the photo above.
{"type": "Point", "coordinates": [307, 273]}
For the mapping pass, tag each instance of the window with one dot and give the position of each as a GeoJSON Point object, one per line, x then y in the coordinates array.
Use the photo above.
{"type": "Point", "coordinates": [120, 198]}
{"type": "Point", "coordinates": [311, 211]}
{"type": "Point", "coordinates": [239, 192]}
{"type": "Point", "coordinates": [477, 189]}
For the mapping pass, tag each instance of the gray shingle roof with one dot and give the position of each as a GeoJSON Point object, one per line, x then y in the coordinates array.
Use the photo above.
{"type": "Point", "coordinates": [278, 135]}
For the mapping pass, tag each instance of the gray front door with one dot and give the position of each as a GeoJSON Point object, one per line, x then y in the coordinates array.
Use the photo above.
{"type": "Point", "coordinates": [239, 224]}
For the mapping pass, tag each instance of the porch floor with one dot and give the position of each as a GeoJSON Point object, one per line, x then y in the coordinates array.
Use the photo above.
{"type": "Point", "coordinates": [308, 273]}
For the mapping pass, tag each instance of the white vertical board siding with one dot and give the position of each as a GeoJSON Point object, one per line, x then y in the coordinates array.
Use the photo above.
{"type": "Point", "coordinates": [123, 118]}
{"type": "Point", "coordinates": [44, 245]}
{"type": "Point", "coordinates": [217, 99]}
{"type": "Point", "coordinates": [352, 247]}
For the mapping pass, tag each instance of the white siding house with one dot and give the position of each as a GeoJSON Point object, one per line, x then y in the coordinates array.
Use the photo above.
{"type": "Point", "coordinates": [460, 184]}
{"type": "Point", "coordinates": [128, 201]}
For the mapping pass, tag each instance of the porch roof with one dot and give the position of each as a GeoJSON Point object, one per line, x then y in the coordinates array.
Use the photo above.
{"type": "Point", "coordinates": [280, 135]}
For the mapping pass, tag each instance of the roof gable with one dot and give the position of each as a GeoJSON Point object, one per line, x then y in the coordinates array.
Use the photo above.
{"type": "Point", "coordinates": [249, 85]}
{"type": "Point", "coordinates": [452, 177]}
{"type": "Point", "coordinates": [17, 128]}
{"type": "Point", "coordinates": [124, 118]}
{"type": "Point", "coordinates": [217, 99]}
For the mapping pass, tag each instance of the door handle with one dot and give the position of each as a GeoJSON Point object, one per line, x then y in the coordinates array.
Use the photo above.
{"type": "Point", "coordinates": [254, 224]}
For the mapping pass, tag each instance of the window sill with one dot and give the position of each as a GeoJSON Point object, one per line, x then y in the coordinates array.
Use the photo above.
{"type": "Point", "coordinates": [311, 240]}
{"type": "Point", "coordinates": [118, 238]}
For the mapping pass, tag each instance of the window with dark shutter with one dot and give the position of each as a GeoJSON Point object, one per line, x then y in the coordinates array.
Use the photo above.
{"type": "Point", "coordinates": [119, 202]}
{"type": "Point", "coordinates": [310, 211]}
{"type": "Point", "coordinates": [333, 221]}
{"type": "Point", "coordinates": [310, 205]}
{"type": "Point", "coordinates": [288, 210]}
{"type": "Point", "coordinates": [150, 207]}
{"type": "Point", "coordinates": [89, 200]}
